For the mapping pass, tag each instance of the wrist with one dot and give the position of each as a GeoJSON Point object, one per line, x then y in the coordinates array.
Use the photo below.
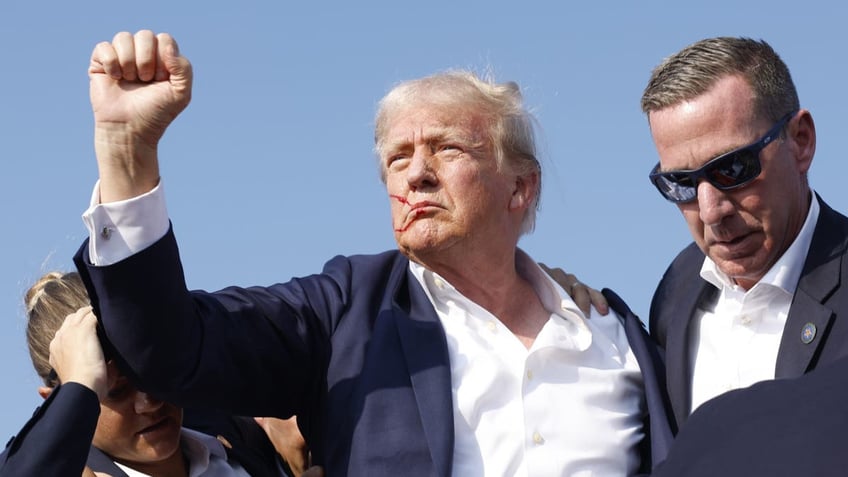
{"type": "Point", "coordinates": [127, 162]}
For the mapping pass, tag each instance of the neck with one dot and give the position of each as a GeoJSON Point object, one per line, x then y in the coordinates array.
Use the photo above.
{"type": "Point", "coordinates": [493, 282]}
{"type": "Point", "coordinates": [483, 278]}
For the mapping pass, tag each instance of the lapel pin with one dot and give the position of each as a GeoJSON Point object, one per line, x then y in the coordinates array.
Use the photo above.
{"type": "Point", "coordinates": [808, 333]}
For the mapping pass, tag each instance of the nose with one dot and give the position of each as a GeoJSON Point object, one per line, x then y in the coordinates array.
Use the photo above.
{"type": "Point", "coordinates": [145, 403]}
{"type": "Point", "coordinates": [421, 173]}
{"type": "Point", "coordinates": [713, 204]}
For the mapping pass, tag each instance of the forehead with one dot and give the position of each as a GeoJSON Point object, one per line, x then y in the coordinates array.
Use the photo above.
{"type": "Point", "coordinates": [425, 120]}
{"type": "Point", "coordinates": [690, 133]}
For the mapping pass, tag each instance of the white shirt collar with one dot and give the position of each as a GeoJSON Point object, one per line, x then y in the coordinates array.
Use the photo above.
{"type": "Point", "coordinates": [786, 272]}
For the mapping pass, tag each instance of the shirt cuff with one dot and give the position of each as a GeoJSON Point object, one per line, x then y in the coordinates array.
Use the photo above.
{"type": "Point", "coordinates": [120, 229]}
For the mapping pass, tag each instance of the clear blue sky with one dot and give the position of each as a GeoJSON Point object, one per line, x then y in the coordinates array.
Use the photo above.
{"type": "Point", "coordinates": [270, 171]}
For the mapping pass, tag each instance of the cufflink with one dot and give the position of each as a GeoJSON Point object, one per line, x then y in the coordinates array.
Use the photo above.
{"type": "Point", "coordinates": [106, 232]}
{"type": "Point", "coordinates": [808, 333]}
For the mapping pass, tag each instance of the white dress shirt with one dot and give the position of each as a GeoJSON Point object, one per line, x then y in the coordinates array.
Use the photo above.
{"type": "Point", "coordinates": [206, 457]}
{"type": "Point", "coordinates": [571, 405]}
{"type": "Point", "coordinates": [735, 340]}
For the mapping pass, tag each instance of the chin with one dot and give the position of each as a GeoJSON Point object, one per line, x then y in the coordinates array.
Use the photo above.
{"type": "Point", "coordinates": [159, 452]}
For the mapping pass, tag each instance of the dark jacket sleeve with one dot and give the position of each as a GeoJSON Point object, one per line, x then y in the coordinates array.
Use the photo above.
{"type": "Point", "coordinates": [215, 350]}
{"type": "Point", "coordinates": [56, 440]}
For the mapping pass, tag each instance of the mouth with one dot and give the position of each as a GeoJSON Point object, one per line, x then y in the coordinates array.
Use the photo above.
{"type": "Point", "coordinates": [736, 246]}
{"type": "Point", "coordinates": [734, 241]}
{"type": "Point", "coordinates": [160, 425]}
{"type": "Point", "coordinates": [416, 210]}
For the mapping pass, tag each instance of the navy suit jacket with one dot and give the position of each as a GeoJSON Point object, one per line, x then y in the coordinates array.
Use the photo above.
{"type": "Point", "coordinates": [356, 352]}
{"type": "Point", "coordinates": [820, 299]}
{"type": "Point", "coordinates": [781, 428]}
{"type": "Point", "coordinates": [57, 439]}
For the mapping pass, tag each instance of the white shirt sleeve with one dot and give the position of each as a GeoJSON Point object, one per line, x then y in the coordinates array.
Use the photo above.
{"type": "Point", "coordinates": [121, 229]}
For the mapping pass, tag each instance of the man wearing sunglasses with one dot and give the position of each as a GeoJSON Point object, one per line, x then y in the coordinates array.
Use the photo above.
{"type": "Point", "coordinates": [758, 294]}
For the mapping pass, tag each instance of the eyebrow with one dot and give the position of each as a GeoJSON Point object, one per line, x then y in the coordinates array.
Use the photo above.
{"type": "Point", "coordinates": [434, 135]}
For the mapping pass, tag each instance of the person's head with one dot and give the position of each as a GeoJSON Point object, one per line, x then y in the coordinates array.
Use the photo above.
{"type": "Point", "coordinates": [458, 156]}
{"type": "Point", "coordinates": [714, 97]}
{"type": "Point", "coordinates": [134, 428]}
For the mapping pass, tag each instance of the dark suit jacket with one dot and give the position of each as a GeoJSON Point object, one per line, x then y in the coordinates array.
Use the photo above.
{"type": "Point", "coordinates": [357, 352]}
{"type": "Point", "coordinates": [819, 299]}
{"type": "Point", "coordinates": [782, 428]}
{"type": "Point", "coordinates": [56, 441]}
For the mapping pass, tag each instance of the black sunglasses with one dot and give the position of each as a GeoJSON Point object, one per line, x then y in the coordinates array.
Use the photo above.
{"type": "Point", "coordinates": [727, 171]}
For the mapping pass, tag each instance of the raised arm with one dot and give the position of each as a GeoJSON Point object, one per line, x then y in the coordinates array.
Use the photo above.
{"type": "Point", "coordinates": [177, 344]}
{"type": "Point", "coordinates": [138, 85]}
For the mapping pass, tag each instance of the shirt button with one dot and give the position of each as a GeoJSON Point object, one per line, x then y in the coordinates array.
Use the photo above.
{"type": "Point", "coordinates": [745, 319]}
{"type": "Point", "coordinates": [439, 283]}
{"type": "Point", "coordinates": [492, 326]}
{"type": "Point", "coordinates": [538, 439]}
{"type": "Point", "coordinates": [529, 374]}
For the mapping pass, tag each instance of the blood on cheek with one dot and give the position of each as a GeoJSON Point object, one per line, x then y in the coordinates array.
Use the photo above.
{"type": "Point", "coordinates": [416, 213]}
{"type": "Point", "coordinates": [400, 199]}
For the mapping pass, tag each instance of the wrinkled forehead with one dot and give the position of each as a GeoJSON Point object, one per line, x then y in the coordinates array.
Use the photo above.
{"type": "Point", "coordinates": [430, 125]}
{"type": "Point", "coordinates": [432, 118]}
{"type": "Point", "coordinates": [445, 93]}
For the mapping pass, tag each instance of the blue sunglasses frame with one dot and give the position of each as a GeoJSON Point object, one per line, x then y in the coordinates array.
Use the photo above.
{"type": "Point", "coordinates": [728, 171]}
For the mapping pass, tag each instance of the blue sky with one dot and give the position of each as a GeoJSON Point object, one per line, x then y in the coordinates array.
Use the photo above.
{"type": "Point", "coordinates": [270, 171]}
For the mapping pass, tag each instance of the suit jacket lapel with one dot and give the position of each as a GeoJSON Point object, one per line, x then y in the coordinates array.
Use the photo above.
{"type": "Point", "coordinates": [819, 279]}
{"type": "Point", "coordinates": [653, 376]}
{"type": "Point", "coordinates": [425, 349]}
{"type": "Point", "coordinates": [794, 356]}
{"type": "Point", "coordinates": [692, 293]}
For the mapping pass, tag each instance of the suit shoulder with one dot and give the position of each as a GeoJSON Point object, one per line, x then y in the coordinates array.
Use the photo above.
{"type": "Point", "coordinates": [684, 265]}
{"type": "Point", "coordinates": [368, 264]}
{"type": "Point", "coordinates": [689, 257]}
{"type": "Point", "coordinates": [679, 273]}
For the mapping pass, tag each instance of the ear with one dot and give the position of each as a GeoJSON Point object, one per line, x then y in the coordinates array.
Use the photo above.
{"type": "Point", "coordinates": [524, 191]}
{"type": "Point", "coordinates": [44, 391]}
{"type": "Point", "coordinates": [802, 133]}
